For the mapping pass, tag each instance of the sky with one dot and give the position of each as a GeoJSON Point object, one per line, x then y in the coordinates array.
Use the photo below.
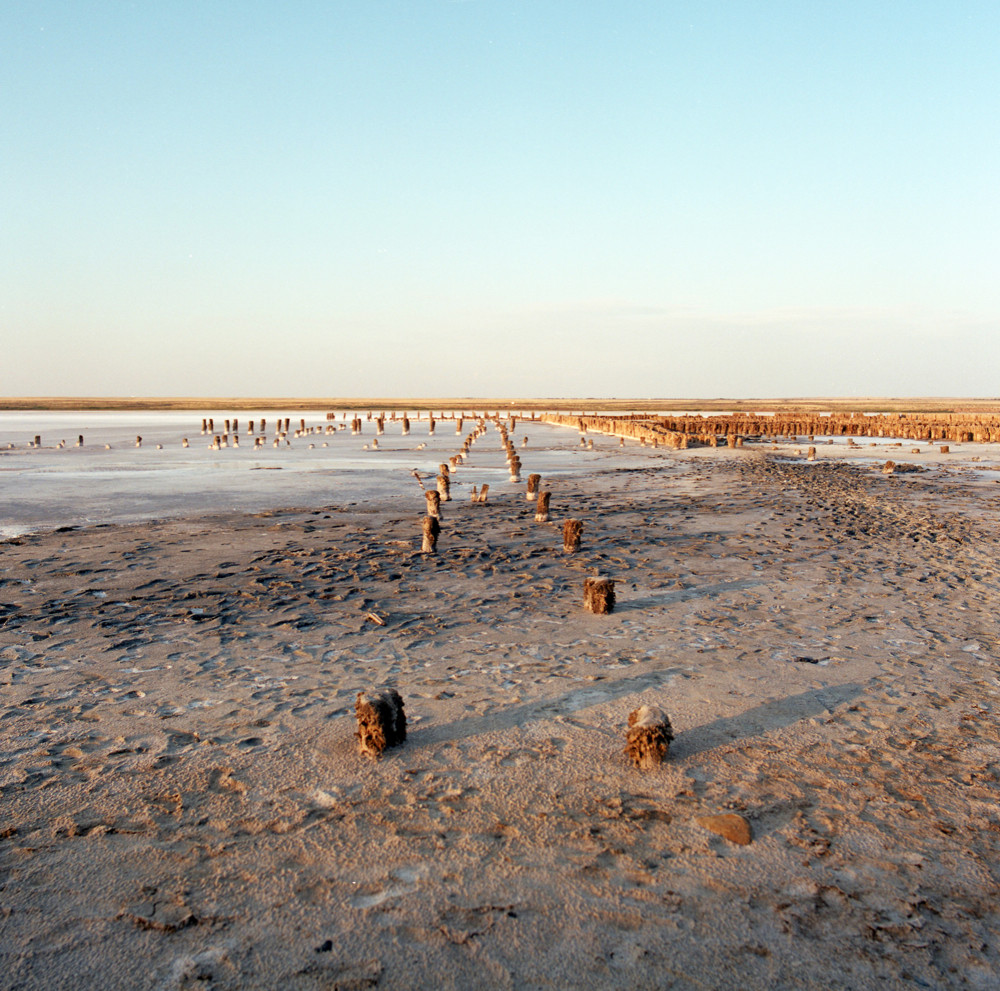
{"type": "Point", "coordinates": [639, 198]}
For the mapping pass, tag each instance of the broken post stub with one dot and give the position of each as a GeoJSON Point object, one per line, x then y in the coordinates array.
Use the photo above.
{"type": "Point", "coordinates": [542, 507]}
{"type": "Point", "coordinates": [381, 721]}
{"type": "Point", "coordinates": [599, 595]}
{"type": "Point", "coordinates": [430, 534]}
{"type": "Point", "coordinates": [648, 738]}
{"type": "Point", "coordinates": [572, 530]}
{"type": "Point", "coordinates": [433, 499]}
{"type": "Point", "coordinates": [444, 487]}
{"type": "Point", "coordinates": [533, 483]}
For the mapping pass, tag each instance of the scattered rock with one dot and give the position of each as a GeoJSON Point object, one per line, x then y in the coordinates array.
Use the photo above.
{"type": "Point", "coordinates": [729, 826]}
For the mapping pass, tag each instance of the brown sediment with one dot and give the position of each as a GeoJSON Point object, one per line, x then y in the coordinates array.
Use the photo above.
{"type": "Point", "coordinates": [183, 800]}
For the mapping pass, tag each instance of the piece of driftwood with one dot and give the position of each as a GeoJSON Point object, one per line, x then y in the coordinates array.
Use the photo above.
{"type": "Point", "coordinates": [572, 530]}
{"type": "Point", "coordinates": [648, 738]}
{"type": "Point", "coordinates": [432, 528]}
{"type": "Point", "coordinates": [599, 595]}
{"type": "Point", "coordinates": [381, 721]}
{"type": "Point", "coordinates": [542, 507]}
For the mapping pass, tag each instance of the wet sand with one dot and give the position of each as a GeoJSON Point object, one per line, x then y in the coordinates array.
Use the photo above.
{"type": "Point", "coordinates": [182, 803]}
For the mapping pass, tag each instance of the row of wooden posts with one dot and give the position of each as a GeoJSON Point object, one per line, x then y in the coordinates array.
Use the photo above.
{"type": "Point", "coordinates": [599, 593]}
{"type": "Point", "coordinates": [680, 432]}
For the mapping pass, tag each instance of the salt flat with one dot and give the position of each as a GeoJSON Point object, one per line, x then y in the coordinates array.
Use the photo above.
{"type": "Point", "coordinates": [183, 803]}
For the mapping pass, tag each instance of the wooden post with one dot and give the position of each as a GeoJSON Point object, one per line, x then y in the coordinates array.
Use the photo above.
{"type": "Point", "coordinates": [406, 426]}
{"type": "Point", "coordinates": [431, 530]}
{"type": "Point", "coordinates": [430, 425]}
{"type": "Point", "coordinates": [599, 595]}
{"type": "Point", "coordinates": [542, 509]}
{"type": "Point", "coordinates": [649, 736]}
{"type": "Point", "coordinates": [532, 493]}
{"type": "Point", "coordinates": [572, 530]}
{"type": "Point", "coordinates": [475, 494]}
{"type": "Point", "coordinates": [444, 487]}
{"type": "Point", "coordinates": [79, 441]}
{"type": "Point", "coordinates": [811, 454]}
{"type": "Point", "coordinates": [483, 493]}
{"type": "Point", "coordinates": [381, 721]}
{"type": "Point", "coordinates": [138, 442]}
{"type": "Point", "coordinates": [433, 500]}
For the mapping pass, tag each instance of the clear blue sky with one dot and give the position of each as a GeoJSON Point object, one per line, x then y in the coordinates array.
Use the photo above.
{"type": "Point", "coordinates": [483, 197]}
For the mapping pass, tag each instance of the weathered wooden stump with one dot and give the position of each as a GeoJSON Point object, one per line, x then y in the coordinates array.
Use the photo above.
{"type": "Point", "coordinates": [811, 454]}
{"type": "Point", "coordinates": [599, 595]}
{"type": "Point", "coordinates": [944, 449]}
{"type": "Point", "coordinates": [475, 494]}
{"type": "Point", "coordinates": [648, 738]}
{"type": "Point", "coordinates": [444, 487]}
{"type": "Point", "coordinates": [483, 493]}
{"type": "Point", "coordinates": [889, 468]}
{"type": "Point", "coordinates": [138, 442]}
{"type": "Point", "coordinates": [542, 507]}
{"type": "Point", "coordinates": [430, 535]}
{"type": "Point", "coordinates": [572, 530]}
{"type": "Point", "coordinates": [433, 498]}
{"type": "Point", "coordinates": [532, 493]}
{"type": "Point", "coordinates": [381, 721]}
{"type": "Point", "coordinates": [79, 441]}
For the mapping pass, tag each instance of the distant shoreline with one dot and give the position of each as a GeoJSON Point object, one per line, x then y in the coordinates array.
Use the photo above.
{"type": "Point", "coordinates": [922, 404]}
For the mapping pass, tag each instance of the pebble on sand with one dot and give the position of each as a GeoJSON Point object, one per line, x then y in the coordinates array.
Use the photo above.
{"type": "Point", "coordinates": [729, 826]}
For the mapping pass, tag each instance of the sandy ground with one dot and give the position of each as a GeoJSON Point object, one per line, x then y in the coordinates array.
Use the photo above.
{"type": "Point", "coordinates": [182, 803]}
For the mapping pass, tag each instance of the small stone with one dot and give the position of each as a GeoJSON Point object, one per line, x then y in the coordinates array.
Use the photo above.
{"type": "Point", "coordinates": [730, 826]}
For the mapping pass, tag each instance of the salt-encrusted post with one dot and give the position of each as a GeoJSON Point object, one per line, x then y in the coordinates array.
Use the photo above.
{"type": "Point", "coordinates": [649, 735]}
{"type": "Point", "coordinates": [542, 508]}
{"type": "Point", "coordinates": [431, 530]}
{"type": "Point", "coordinates": [433, 504]}
{"type": "Point", "coordinates": [599, 595]}
{"type": "Point", "coordinates": [532, 493]}
{"type": "Point", "coordinates": [444, 487]}
{"type": "Point", "coordinates": [572, 530]}
{"type": "Point", "coordinates": [483, 493]}
{"type": "Point", "coordinates": [381, 721]}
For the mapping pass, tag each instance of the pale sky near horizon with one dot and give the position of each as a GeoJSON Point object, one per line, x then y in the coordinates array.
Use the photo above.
{"type": "Point", "coordinates": [500, 197]}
